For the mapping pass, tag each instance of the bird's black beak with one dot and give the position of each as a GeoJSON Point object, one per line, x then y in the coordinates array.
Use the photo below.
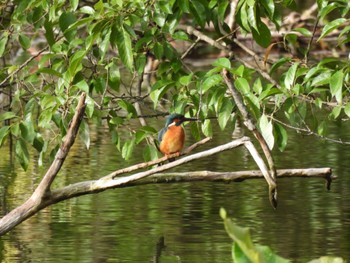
{"type": "Point", "coordinates": [190, 119]}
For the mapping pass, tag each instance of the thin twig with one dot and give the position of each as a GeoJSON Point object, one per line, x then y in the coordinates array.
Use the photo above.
{"type": "Point", "coordinates": [23, 65]}
{"type": "Point", "coordinates": [306, 58]}
{"type": "Point", "coordinates": [309, 132]}
{"type": "Point", "coordinates": [190, 48]}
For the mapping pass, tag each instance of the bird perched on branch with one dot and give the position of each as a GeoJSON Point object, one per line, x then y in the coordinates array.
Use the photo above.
{"type": "Point", "coordinates": [172, 136]}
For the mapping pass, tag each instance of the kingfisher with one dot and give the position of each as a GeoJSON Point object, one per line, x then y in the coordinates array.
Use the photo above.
{"type": "Point", "coordinates": [172, 136]}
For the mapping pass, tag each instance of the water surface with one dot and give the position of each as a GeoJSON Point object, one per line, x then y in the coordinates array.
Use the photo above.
{"type": "Point", "coordinates": [125, 225]}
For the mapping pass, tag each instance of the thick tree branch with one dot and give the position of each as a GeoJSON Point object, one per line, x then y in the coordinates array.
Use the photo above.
{"type": "Point", "coordinates": [62, 153]}
{"type": "Point", "coordinates": [249, 123]}
{"type": "Point", "coordinates": [239, 176]}
{"type": "Point", "coordinates": [87, 187]}
{"type": "Point", "coordinates": [42, 192]}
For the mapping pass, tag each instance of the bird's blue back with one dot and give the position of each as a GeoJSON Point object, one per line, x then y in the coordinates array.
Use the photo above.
{"type": "Point", "coordinates": [161, 133]}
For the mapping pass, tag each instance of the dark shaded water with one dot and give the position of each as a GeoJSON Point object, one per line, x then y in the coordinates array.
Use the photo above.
{"type": "Point", "coordinates": [125, 225]}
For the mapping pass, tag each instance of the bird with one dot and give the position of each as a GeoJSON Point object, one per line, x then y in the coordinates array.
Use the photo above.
{"type": "Point", "coordinates": [172, 136]}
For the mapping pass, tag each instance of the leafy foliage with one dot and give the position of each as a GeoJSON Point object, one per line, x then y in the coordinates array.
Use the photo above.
{"type": "Point", "coordinates": [244, 250]}
{"type": "Point", "coordinates": [50, 53]}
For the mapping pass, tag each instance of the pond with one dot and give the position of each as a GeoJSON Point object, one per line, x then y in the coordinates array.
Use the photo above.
{"type": "Point", "coordinates": [181, 222]}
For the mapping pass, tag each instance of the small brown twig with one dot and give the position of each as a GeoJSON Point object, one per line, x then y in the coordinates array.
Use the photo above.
{"type": "Point", "coordinates": [23, 65]}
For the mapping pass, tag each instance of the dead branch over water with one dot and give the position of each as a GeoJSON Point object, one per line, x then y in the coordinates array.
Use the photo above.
{"type": "Point", "coordinates": [44, 196]}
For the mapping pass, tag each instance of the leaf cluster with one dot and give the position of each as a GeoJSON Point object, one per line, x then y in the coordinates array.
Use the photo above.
{"type": "Point", "coordinates": [244, 250]}
{"type": "Point", "coordinates": [130, 58]}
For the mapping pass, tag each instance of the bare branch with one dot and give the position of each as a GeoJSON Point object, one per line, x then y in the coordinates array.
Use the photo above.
{"type": "Point", "coordinates": [154, 162]}
{"type": "Point", "coordinates": [42, 192]}
{"type": "Point", "coordinates": [2, 83]}
{"type": "Point", "coordinates": [87, 187]}
{"type": "Point", "coordinates": [239, 176]}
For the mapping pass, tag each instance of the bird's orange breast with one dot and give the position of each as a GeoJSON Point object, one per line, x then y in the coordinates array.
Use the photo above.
{"type": "Point", "coordinates": [173, 140]}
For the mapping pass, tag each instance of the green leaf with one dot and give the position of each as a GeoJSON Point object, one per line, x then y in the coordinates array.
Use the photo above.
{"type": "Point", "coordinates": [195, 130]}
{"type": "Point", "coordinates": [75, 63]}
{"type": "Point", "coordinates": [262, 35]}
{"type": "Point", "coordinates": [123, 42]}
{"type": "Point", "coordinates": [7, 115]}
{"type": "Point", "coordinates": [266, 128]}
{"type": "Point", "coordinates": [242, 85]}
{"type": "Point", "coordinates": [336, 85]}
{"type": "Point", "coordinates": [242, 17]}
{"type": "Point", "coordinates": [83, 86]}
{"type": "Point", "coordinates": [321, 128]}
{"type": "Point", "coordinates": [66, 19]}
{"type": "Point", "coordinates": [143, 132]}
{"type": "Point", "coordinates": [327, 9]}
{"type": "Point", "coordinates": [252, 17]}
{"type": "Point", "coordinates": [128, 107]}
{"type": "Point", "coordinates": [22, 154]}
{"type": "Point", "coordinates": [180, 35]}
{"type": "Point", "coordinates": [24, 41]}
{"type": "Point", "coordinates": [211, 81]}
{"type": "Point", "coordinates": [3, 42]}
{"type": "Point", "coordinates": [184, 5]}
{"type": "Point", "coordinates": [50, 37]}
{"type": "Point", "coordinates": [336, 112]}
{"type": "Point", "coordinates": [270, 91]}
{"type": "Point", "coordinates": [222, 8]}
{"type": "Point", "coordinates": [38, 143]}
{"type": "Point", "coordinates": [243, 249]}
{"type": "Point", "coordinates": [159, 19]}
{"type": "Point", "coordinates": [305, 32]}
{"type": "Point", "coordinates": [290, 76]}
{"type": "Point", "coordinates": [328, 259]}
{"type": "Point", "coordinates": [150, 153]}
{"type": "Point", "coordinates": [87, 10]}
{"type": "Point", "coordinates": [159, 89]}
{"type": "Point", "coordinates": [238, 254]}
{"type": "Point", "coordinates": [90, 106]}
{"type": "Point", "coordinates": [321, 79]}
{"type": "Point", "coordinates": [27, 131]}
{"type": "Point", "coordinates": [45, 118]}
{"type": "Point", "coordinates": [114, 77]}
{"type": "Point", "coordinates": [84, 133]}
{"type": "Point", "coordinates": [242, 239]}
{"type": "Point", "coordinates": [225, 113]}
{"type": "Point", "coordinates": [140, 63]}
{"type": "Point", "coordinates": [329, 27]}
{"type": "Point", "coordinates": [74, 4]}
{"type": "Point", "coordinates": [128, 148]}
{"type": "Point", "coordinates": [279, 63]}
{"type": "Point", "coordinates": [281, 136]}
{"type": "Point", "coordinates": [207, 128]}
{"type": "Point", "coordinates": [158, 50]}
{"type": "Point", "coordinates": [4, 131]}
{"type": "Point", "coordinates": [222, 63]}
{"type": "Point", "coordinates": [347, 109]}
{"type": "Point", "coordinates": [186, 80]}
{"type": "Point", "coordinates": [50, 71]}
{"type": "Point", "coordinates": [269, 6]}
{"type": "Point", "coordinates": [199, 12]}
